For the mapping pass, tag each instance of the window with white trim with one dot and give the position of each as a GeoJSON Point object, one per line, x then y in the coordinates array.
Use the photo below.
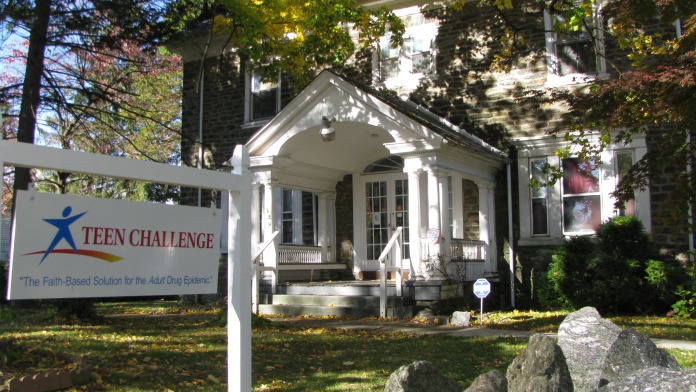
{"type": "Point", "coordinates": [582, 198]}
{"type": "Point", "coordinates": [576, 57]}
{"type": "Point", "coordinates": [414, 59]}
{"type": "Point", "coordinates": [262, 99]}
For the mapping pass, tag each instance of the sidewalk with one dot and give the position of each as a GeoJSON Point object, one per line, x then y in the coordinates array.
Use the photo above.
{"type": "Point", "coordinates": [410, 327]}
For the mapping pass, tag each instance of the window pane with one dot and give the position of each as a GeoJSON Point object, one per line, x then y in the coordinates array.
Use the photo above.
{"type": "Point", "coordinates": [539, 217]}
{"type": "Point", "coordinates": [420, 53]}
{"type": "Point", "coordinates": [577, 57]}
{"type": "Point", "coordinates": [581, 213]}
{"type": "Point", "coordinates": [264, 98]}
{"type": "Point", "coordinates": [624, 161]}
{"type": "Point", "coordinates": [579, 177]}
{"type": "Point", "coordinates": [388, 60]}
{"type": "Point", "coordinates": [539, 176]}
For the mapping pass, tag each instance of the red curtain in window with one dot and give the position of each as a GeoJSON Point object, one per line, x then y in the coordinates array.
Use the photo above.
{"type": "Point", "coordinates": [579, 177]}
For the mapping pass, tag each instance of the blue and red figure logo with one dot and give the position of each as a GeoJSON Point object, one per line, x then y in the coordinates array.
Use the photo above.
{"type": "Point", "coordinates": [64, 233]}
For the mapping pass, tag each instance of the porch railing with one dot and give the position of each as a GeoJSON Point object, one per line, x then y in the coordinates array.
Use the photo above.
{"type": "Point", "coordinates": [395, 245]}
{"type": "Point", "coordinates": [466, 250]}
{"type": "Point", "coordinates": [459, 250]}
{"type": "Point", "coordinates": [300, 254]}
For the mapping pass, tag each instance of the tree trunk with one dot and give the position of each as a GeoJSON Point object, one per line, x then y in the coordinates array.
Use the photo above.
{"type": "Point", "coordinates": [31, 89]}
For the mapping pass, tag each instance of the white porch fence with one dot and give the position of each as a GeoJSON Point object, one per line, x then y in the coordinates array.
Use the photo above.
{"type": "Point", "coordinates": [384, 269]}
{"type": "Point", "coordinates": [459, 250]}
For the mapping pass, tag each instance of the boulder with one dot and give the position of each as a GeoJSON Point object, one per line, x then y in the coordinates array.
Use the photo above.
{"type": "Point", "coordinates": [422, 376]}
{"type": "Point", "coordinates": [632, 352]}
{"type": "Point", "coordinates": [493, 381]}
{"type": "Point", "coordinates": [585, 339]}
{"type": "Point", "coordinates": [541, 367]}
{"type": "Point", "coordinates": [655, 379]}
{"type": "Point", "coordinates": [461, 319]}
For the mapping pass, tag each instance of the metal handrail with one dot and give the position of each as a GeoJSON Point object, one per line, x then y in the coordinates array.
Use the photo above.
{"type": "Point", "coordinates": [384, 270]}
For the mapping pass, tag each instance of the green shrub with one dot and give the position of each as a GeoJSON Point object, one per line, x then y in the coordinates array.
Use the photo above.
{"type": "Point", "coordinates": [616, 272]}
{"type": "Point", "coordinates": [686, 306]}
{"type": "Point", "coordinates": [547, 296]}
{"type": "Point", "coordinates": [625, 237]}
{"type": "Point", "coordinates": [570, 271]}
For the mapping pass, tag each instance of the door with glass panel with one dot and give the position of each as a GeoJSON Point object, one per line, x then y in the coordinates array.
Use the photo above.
{"type": "Point", "coordinates": [386, 208]}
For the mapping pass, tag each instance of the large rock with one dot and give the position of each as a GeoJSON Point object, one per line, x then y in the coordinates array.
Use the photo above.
{"type": "Point", "coordinates": [632, 352]}
{"type": "Point", "coordinates": [421, 376]}
{"type": "Point", "coordinates": [655, 379]}
{"type": "Point", "coordinates": [493, 381]}
{"type": "Point", "coordinates": [461, 319]}
{"type": "Point", "coordinates": [585, 339]}
{"type": "Point", "coordinates": [541, 367]}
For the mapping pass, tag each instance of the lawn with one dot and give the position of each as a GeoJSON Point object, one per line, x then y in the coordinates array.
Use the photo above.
{"type": "Point", "coordinates": [158, 346]}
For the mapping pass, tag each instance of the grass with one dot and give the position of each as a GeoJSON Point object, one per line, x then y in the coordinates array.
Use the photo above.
{"type": "Point", "coordinates": [184, 348]}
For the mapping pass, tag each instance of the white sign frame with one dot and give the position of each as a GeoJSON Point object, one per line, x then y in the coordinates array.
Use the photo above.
{"type": "Point", "coordinates": [237, 184]}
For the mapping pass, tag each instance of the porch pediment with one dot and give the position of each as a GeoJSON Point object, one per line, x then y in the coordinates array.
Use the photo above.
{"type": "Point", "coordinates": [366, 123]}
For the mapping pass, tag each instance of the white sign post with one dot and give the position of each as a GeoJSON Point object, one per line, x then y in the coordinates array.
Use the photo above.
{"type": "Point", "coordinates": [100, 239]}
{"type": "Point", "coordinates": [482, 288]}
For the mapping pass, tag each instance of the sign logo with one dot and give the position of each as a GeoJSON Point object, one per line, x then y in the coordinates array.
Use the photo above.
{"type": "Point", "coordinates": [64, 233]}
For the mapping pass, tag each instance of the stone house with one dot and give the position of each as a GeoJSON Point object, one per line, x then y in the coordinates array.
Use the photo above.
{"type": "Point", "coordinates": [425, 137]}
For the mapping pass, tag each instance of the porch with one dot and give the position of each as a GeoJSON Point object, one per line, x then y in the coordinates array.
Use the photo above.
{"type": "Point", "coordinates": [330, 208]}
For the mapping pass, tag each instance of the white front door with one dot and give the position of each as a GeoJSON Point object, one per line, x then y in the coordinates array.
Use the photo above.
{"type": "Point", "coordinates": [385, 209]}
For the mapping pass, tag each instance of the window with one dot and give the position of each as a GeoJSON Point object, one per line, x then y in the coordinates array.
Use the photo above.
{"type": "Point", "coordinates": [577, 57]}
{"type": "Point", "coordinates": [398, 66]}
{"type": "Point", "coordinates": [582, 210]}
{"type": "Point", "coordinates": [540, 204]}
{"type": "Point", "coordinates": [299, 214]}
{"type": "Point", "coordinates": [582, 198]}
{"type": "Point", "coordinates": [262, 99]}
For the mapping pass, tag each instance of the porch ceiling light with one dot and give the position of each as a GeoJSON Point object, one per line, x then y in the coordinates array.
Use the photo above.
{"type": "Point", "coordinates": [328, 133]}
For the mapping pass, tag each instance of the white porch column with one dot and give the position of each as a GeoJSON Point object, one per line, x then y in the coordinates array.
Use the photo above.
{"type": "Point", "coordinates": [434, 220]}
{"type": "Point", "coordinates": [414, 224]}
{"type": "Point", "coordinates": [269, 225]}
{"type": "Point", "coordinates": [331, 225]}
{"type": "Point", "coordinates": [484, 218]}
{"type": "Point", "coordinates": [323, 227]}
{"type": "Point", "coordinates": [256, 203]}
{"type": "Point", "coordinates": [443, 189]}
{"type": "Point", "coordinates": [492, 260]}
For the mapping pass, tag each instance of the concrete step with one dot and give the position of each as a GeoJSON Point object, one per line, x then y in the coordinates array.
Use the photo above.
{"type": "Point", "coordinates": [367, 289]}
{"type": "Point", "coordinates": [333, 305]}
{"type": "Point", "coordinates": [331, 300]}
{"type": "Point", "coordinates": [302, 310]}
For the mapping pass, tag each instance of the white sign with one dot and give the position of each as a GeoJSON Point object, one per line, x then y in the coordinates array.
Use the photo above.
{"type": "Point", "coordinates": [66, 246]}
{"type": "Point", "coordinates": [433, 236]}
{"type": "Point", "coordinates": [482, 288]}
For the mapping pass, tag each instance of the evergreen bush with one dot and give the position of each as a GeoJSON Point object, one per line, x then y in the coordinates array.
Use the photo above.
{"type": "Point", "coordinates": [616, 272]}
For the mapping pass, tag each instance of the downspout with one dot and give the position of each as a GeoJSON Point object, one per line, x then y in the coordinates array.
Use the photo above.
{"type": "Point", "coordinates": [690, 212]}
{"type": "Point", "coordinates": [511, 239]}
